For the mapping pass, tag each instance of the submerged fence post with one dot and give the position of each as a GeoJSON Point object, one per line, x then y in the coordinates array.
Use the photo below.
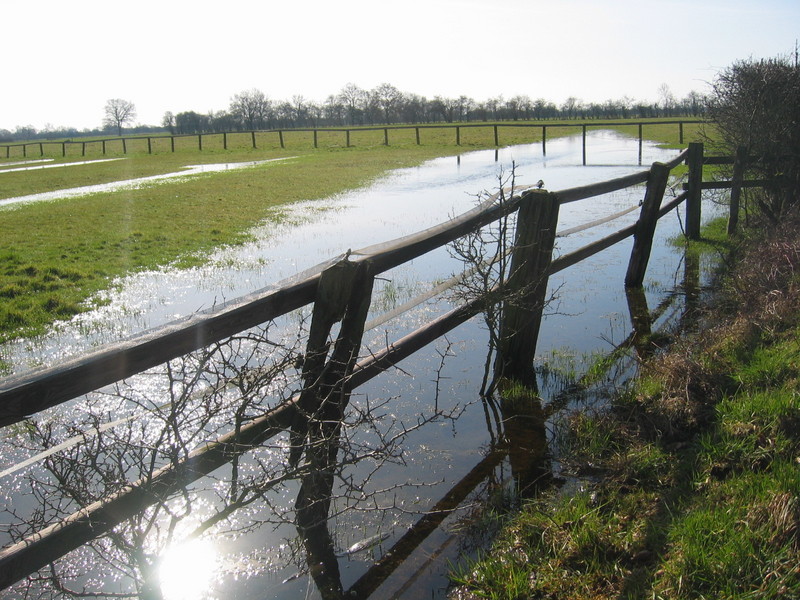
{"type": "Point", "coordinates": [524, 302]}
{"type": "Point", "coordinates": [736, 188]}
{"type": "Point", "coordinates": [694, 186]}
{"type": "Point", "coordinates": [646, 226]}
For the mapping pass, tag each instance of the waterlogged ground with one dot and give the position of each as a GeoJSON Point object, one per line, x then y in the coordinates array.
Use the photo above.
{"type": "Point", "coordinates": [434, 431]}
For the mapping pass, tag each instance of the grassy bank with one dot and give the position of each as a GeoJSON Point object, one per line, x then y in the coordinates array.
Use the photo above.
{"type": "Point", "coordinates": [57, 254]}
{"type": "Point", "coordinates": [694, 489]}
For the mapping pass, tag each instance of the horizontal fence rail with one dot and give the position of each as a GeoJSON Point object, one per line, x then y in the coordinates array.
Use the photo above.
{"type": "Point", "coordinates": [27, 394]}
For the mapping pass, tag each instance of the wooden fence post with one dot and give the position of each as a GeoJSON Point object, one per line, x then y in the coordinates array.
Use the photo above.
{"type": "Point", "coordinates": [280, 137]}
{"type": "Point", "coordinates": [417, 133]}
{"type": "Point", "coordinates": [583, 129]}
{"type": "Point", "coordinates": [641, 138]}
{"type": "Point", "coordinates": [253, 138]}
{"type": "Point", "coordinates": [458, 135]}
{"type": "Point", "coordinates": [200, 141]}
{"type": "Point", "coordinates": [343, 294]}
{"type": "Point", "coordinates": [385, 136]}
{"type": "Point", "coordinates": [694, 186]}
{"type": "Point", "coordinates": [124, 146]}
{"type": "Point", "coordinates": [736, 188]}
{"type": "Point", "coordinates": [347, 131]}
{"type": "Point", "coordinates": [646, 226]}
{"type": "Point", "coordinates": [496, 137]}
{"type": "Point", "coordinates": [316, 143]}
{"type": "Point", "coordinates": [224, 140]}
{"type": "Point", "coordinates": [149, 145]}
{"type": "Point", "coordinates": [524, 300]}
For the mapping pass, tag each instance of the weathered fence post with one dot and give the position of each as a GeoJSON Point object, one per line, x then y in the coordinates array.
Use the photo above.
{"type": "Point", "coordinates": [417, 133]}
{"type": "Point", "coordinates": [458, 135]}
{"type": "Point", "coordinates": [694, 186]}
{"type": "Point", "coordinates": [316, 143]}
{"type": "Point", "coordinates": [680, 132]}
{"type": "Point", "coordinates": [343, 294]}
{"type": "Point", "coordinates": [200, 141]}
{"type": "Point", "coordinates": [736, 188]}
{"type": "Point", "coordinates": [63, 149]}
{"type": "Point", "coordinates": [124, 146]}
{"type": "Point", "coordinates": [524, 300]}
{"type": "Point", "coordinates": [646, 226]}
{"type": "Point", "coordinates": [280, 137]}
{"type": "Point", "coordinates": [224, 140]}
{"type": "Point", "coordinates": [347, 132]}
{"type": "Point", "coordinates": [253, 138]}
{"type": "Point", "coordinates": [41, 149]}
{"type": "Point", "coordinates": [385, 136]}
{"type": "Point", "coordinates": [496, 137]}
{"type": "Point", "coordinates": [149, 145]}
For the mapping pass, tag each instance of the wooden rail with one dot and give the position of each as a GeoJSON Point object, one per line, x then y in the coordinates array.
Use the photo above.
{"type": "Point", "coordinates": [340, 290]}
{"type": "Point", "coordinates": [147, 141]}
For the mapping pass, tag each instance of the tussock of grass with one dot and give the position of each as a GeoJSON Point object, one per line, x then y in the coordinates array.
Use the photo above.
{"type": "Point", "coordinates": [694, 490]}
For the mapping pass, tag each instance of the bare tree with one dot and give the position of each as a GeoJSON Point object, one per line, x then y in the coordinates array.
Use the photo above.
{"type": "Point", "coordinates": [118, 112]}
{"type": "Point", "coordinates": [252, 108]}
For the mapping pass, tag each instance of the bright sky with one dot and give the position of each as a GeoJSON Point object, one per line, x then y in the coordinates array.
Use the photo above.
{"type": "Point", "coordinates": [62, 59]}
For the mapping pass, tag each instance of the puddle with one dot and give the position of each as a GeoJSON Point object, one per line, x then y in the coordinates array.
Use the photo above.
{"type": "Point", "coordinates": [187, 171]}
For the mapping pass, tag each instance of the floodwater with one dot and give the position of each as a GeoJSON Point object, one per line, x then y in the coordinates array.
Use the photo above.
{"type": "Point", "coordinates": [421, 434]}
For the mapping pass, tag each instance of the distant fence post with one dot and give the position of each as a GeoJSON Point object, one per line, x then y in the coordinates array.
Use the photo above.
{"type": "Point", "coordinates": [646, 226]}
{"type": "Point", "coordinates": [63, 148]}
{"type": "Point", "coordinates": [124, 146]}
{"type": "Point", "coordinates": [527, 285]}
{"type": "Point", "coordinates": [253, 138]}
{"type": "Point", "coordinates": [347, 131]}
{"type": "Point", "coordinates": [458, 135]}
{"type": "Point", "coordinates": [316, 144]}
{"type": "Point", "coordinates": [280, 138]}
{"type": "Point", "coordinates": [736, 188]}
{"type": "Point", "coordinates": [544, 140]}
{"type": "Point", "coordinates": [149, 145]}
{"type": "Point", "coordinates": [200, 141]}
{"type": "Point", "coordinates": [583, 129]}
{"type": "Point", "coordinates": [641, 138]}
{"type": "Point", "coordinates": [496, 137]}
{"type": "Point", "coordinates": [224, 140]}
{"type": "Point", "coordinates": [694, 186]}
{"type": "Point", "coordinates": [417, 133]}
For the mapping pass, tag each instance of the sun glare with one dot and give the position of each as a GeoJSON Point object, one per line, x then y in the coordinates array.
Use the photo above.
{"type": "Point", "coordinates": [186, 570]}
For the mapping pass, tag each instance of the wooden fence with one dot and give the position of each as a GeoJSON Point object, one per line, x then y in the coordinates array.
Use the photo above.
{"type": "Point", "coordinates": [148, 142]}
{"type": "Point", "coordinates": [340, 292]}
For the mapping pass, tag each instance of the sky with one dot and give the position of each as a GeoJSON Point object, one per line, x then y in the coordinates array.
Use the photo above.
{"type": "Point", "coordinates": [61, 60]}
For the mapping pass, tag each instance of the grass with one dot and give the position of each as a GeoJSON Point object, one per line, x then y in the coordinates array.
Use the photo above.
{"type": "Point", "coordinates": [695, 485]}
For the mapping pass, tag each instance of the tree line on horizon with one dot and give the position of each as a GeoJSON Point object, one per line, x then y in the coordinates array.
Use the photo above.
{"type": "Point", "coordinates": [383, 105]}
